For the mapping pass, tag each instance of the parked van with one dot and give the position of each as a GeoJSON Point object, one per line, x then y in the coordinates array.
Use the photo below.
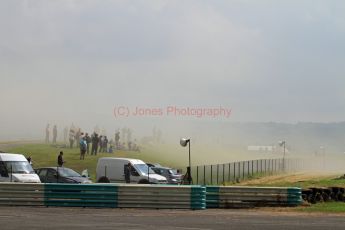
{"type": "Point", "coordinates": [111, 169]}
{"type": "Point", "coordinates": [16, 168]}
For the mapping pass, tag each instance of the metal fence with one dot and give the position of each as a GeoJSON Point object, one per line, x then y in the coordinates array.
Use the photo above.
{"type": "Point", "coordinates": [241, 170]}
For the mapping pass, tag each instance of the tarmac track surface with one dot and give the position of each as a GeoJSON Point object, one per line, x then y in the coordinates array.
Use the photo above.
{"type": "Point", "coordinates": [89, 218]}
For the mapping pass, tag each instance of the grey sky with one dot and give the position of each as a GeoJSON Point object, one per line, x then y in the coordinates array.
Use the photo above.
{"type": "Point", "coordinates": [267, 60]}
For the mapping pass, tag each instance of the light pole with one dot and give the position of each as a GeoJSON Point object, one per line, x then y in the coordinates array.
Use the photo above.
{"type": "Point", "coordinates": [282, 143]}
{"type": "Point", "coordinates": [183, 143]}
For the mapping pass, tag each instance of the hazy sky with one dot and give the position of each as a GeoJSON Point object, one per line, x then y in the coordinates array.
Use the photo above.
{"type": "Point", "coordinates": [74, 61]}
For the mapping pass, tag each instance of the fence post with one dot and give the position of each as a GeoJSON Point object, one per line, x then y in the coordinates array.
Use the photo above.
{"type": "Point", "coordinates": [197, 174]}
{"type": "Point", "coordinates": [252, 168]}
{"type": "Point", "coordinates": [265, 166]}
{"type": "Point", "coordinates": [239, 170]}
{"type": "Point", "coordinates": [247, 169]}
{"type": "Point", "coordinates": [217, 173]}
{"type": "Point", "coordinates": [229, 172]}
{"type": "Point", "coordinates": [234, 172]}
{"type": "Point", "coordinates": [274, 165]}
{"type": "Point", "coordinates": [223, 173]}
{"type": "Point", "coordinates": [204, 174]}
{"type": "Point", "coordinates": [243, 170]}
{"type": "Point", "coordinates": [269, 165]}
{"type": "Point", "coordinates": [211, 174]}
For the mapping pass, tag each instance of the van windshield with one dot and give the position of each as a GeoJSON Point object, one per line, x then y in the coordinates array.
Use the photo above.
{"type": "Point", "coordinates": [143, 168]}
{"type": "Point", "coordinates": [21, 167]}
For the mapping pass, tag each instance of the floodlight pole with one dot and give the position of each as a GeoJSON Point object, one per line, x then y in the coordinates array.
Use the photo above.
{"type": "Point", "coordinates": [190, 169]}
{"type": "Point", "coordinates": [284, 157]}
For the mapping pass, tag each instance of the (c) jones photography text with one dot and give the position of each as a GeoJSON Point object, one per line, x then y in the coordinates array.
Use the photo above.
{"type": "Point", "coordinates": [172, 111]}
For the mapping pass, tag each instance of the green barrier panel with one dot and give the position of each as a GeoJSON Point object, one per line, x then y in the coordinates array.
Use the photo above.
{"type": "Point", "coordinates": [212, 196]}
{"type": "Point", "coordinates": [294, 196]}
{"type": "Point", "coordinates": [78, 195]}
{"type": "Point", "coordinates": [198, 197]}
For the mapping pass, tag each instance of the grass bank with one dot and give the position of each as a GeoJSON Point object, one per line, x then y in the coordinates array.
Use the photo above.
{"type": "Point", "coordinates": [44, 155]}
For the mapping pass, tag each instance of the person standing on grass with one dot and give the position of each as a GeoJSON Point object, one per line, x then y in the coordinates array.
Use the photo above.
{"type": "Point", "coordinates": [77, 137]}
{"type": "Point", "coordinates": [60, 159]}
{"type": "Point", "coordinates": [95, 142]}
{"type": "Point", "coordinates": [101, 144]}
{"type": "Point", "coordinates": [83, 147]}
{"type": "Point", "coordinates": [127, 172]}
{"type": "Point", "coordinates": [54, 134]}
{"type": "Point", "coordinates": [105, 144]}
{"type": "Point", "coordinates": [65, 134]}
{"type": "Point", "coordinates": [71, 137]}
{"type": "Point", "coordinates": [47, 134]}
{"type": "Point", "coordinates": [88, 142]}
{"type": "Point", "coordinates": [117, 139]}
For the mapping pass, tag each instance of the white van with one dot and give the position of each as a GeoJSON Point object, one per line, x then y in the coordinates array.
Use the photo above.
{"type": "Point", "coordinates": [16, 168]}
{"type": "Point", "coordinates": [111, 169]}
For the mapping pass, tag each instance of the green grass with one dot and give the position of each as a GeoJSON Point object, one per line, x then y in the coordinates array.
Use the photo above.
{"type": "Point", "coordinates": [324, 182]}
{"type": "Point", "coordinates": [328, 207]}
{"type": "Point", "coordinates": [44, 155]}
{"type": "Point", "coordinates": [331, 182]}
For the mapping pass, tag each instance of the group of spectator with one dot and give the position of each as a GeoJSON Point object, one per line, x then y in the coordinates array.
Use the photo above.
{"type": "Point", "coordinates": [47, 140]}
{"type": "Point", "coordinates": [96, 143]}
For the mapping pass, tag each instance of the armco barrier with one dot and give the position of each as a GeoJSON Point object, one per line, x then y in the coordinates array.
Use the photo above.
{"type": "Point", "coordinates": [104, 195]}
{"type": "Point", "coordinates": [241, 196]}
{"type": "Point", "coordinates": [21, 194]}
{"type": "Point", "coordinates": [146, 196]}
{"type": "Point", "coordinates": [158, 196]}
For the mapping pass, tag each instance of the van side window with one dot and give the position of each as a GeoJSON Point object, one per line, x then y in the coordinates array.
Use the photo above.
{"type": "Point", "coordinates": [3, 170]}
{"type": "Point", "coordinates": [134, 172]}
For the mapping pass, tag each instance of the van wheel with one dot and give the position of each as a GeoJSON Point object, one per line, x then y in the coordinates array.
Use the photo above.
{"type": "Point", "coordinates": [103, 179]}
{"type": "Point", "coordinates": [143, 182]}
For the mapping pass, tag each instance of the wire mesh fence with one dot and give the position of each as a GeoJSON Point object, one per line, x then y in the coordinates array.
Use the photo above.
{"type": "Point", "coordinates": [242, 170]}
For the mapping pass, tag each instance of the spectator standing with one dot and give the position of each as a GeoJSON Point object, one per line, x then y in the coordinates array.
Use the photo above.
{"type": "Point", "coordinates": [88, 142]}
{"type": "Point", "coordinates": [83, 147]}
{"type": "Point", "coordinates": [54, 134]}
{"type": "Point", "coordinates": [29, 160]}
{"type": "Point", "coordinates": [60, 159]}
{"type": "Point", "coordinates": [95, 143]}
{"type": "Point", "coordinates": [71, 137]}
{"type": "Point", "coordinates": [77, 136]}
{"type": "Point", "coordinates": [65, 134]}
{"type": "Point", "coordinates": [127, 172]}
{"type": "Point", "coordinates": [105, 144]}
{"type": "Point", "coordinates": [117, 140]}
{"type": "Point", "coordinates": [101, 144]}
{"type": "Point", "coordinates": [47, 134]}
